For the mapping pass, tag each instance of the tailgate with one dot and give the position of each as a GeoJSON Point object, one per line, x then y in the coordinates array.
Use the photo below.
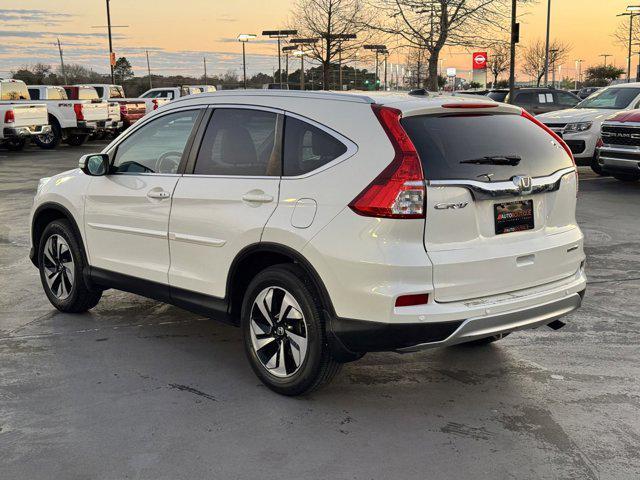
{"type": "Point", "coordinates": [500, 208]}
{"type": "Point", "coordinates": [95, 112]}
{"type": "Point", "coordinates": [27, 115]}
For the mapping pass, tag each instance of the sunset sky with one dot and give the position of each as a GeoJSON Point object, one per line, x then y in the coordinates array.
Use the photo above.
{"type": "Point", "coordinates": [179, 34]}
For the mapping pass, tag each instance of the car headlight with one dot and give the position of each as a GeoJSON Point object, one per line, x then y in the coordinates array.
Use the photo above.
{"type": "Point", "coordinates": [577, 127]}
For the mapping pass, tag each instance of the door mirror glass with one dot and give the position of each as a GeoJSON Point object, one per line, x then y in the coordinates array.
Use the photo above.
{"type": "Point", "coordinates": [94, 164]}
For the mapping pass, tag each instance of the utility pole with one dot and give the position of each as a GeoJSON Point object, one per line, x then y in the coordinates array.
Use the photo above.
{"type": "Point", "coordinates": [631, 9]}
{"type": "Point", "coordinates": [149, 69]}
{"type": "Point", "coordinates": [386, 56]}
{"type": "Point", "coordinates": [64, 73]}
{"type": "Point", "coordinates": [554, 55]}
{"type": "Point", "coordinates": [111, 56]}
{"type": "Point", "coordinates": [546, 49]}
{"type": "Point", "coordinates": [204, 63]}
{"type": "Point", "coordinates": [515, 38]}
{"type": "Point", "coordinates": [377, 49]}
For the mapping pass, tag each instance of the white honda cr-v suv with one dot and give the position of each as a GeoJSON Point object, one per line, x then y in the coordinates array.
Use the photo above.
{"type": "Point", "coordinates": [325, 225]}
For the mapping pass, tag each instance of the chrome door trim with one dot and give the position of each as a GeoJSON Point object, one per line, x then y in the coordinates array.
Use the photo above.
{"type": "Point", "coordinates": [488, 190]}
{"type": "Point", "coordinates": [129, 230]}
{"type": "Point", "coordinates": [207, 241]}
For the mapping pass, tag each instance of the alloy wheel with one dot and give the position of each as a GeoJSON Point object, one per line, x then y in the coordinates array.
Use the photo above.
{"type": "Point", "coordinates": [58, 266]}
{"type": "Point", "coordinates": [278, 332]}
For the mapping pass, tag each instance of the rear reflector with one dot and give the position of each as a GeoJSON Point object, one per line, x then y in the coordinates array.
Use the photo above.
{"type": "Point", "coordinates": [9, 116]}
{"type": "Point", "coordinates": [469, 105]}
{"type": "Point", "coordinates": [399, 190]}
{"type": "Point", "coordinates": [411, 300]}
{"type": "Point", "coordinates": [155, 104]}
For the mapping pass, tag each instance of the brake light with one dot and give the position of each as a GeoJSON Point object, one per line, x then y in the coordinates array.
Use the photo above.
{"type": "Point", "coordinates": [78, 109]}
{"type": "Point", "coordinates": [411, 300]}
{"type": "Point", "coordinates": [155, 103]}
{"type": "Point", "coordinates": [556, 137]}
{"type": "Point", "coordinates": [9, 116]}
{"type": "Point", "coordinates": [399, 190]}
{"type": "Point", "coordinates": [123, 109]}
{"type": "Point", "coordinates": [469, 105]}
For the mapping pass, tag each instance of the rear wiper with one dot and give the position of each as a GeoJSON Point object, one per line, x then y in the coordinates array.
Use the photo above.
{"type": "Point", "coordinates": [512, 160]}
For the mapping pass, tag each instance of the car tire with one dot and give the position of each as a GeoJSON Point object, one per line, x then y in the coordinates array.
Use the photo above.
{"type": "Point", "coordinates": [626, 177]}
{"type": "Point", "coordinates": [487, 340]}
{"type": "Point", "coordinates": [289, 355]}
{"type": "Point", "coordinates": [596, 167]}
{"type": "Point", "coordinates": [16, 144]}
{"type": "Point", "coordinates": [52, 139]}
{"type": "Point", "coordinates": [76, 140]}
{"type": "Point", "coordinates": [62, 261]}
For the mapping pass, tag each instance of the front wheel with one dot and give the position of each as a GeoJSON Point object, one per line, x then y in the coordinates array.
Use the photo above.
{"type": "Point", "coordinates": [284, 335]}
{"type": "Point", "coordinates": [61, 262]}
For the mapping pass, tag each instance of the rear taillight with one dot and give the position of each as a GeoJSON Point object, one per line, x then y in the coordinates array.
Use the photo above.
{"type": "Point", "coordinates": [123, 109]}
{"type": "Point", "coordinates": [399, 191]}
{"type": "Point", "coordinates": [9, 116]}
{"type": "Point", "coordinates": [155, 103]}
{"type": "Point", "coordinates": [412, 300]}
{"type": "Point", "coordinates": [556, 137]}
{"type": "Point", "coordinates": [78, 109]}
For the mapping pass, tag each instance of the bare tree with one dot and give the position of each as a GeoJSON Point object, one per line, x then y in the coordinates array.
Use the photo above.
{"type": "Point", "coordinates": [432, 24]}
{"type": "Point", "coordinates": [534, 54]}
{"type": "Point", "coordinates": [417, 64]}
{"type": "Point", "coordinates": [498, 61]}
{"type": "Point", "coordinates": [324, 19]}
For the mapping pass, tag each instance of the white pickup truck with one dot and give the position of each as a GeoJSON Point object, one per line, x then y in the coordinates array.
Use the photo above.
{"type": "Point", "coordinates": [72, 121]}
{"type": "Point", "coordinates": [19, 122]}
{"type": "Point", "coordinates": [171, 93]}
{"type": "Point", "coordinates": [130, 110]}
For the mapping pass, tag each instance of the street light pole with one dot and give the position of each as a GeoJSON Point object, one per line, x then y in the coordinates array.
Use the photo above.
{"type": "Point", "coordinates": [578, 72]}
{"type": "Point", "coordinates": [244, 38]}
{"type": "Point", "coordinates": [149, 69]}
{"type": "Point", "coordinates": [279, 34]}
{"type": "Point", "coordinates": [605, 56]}
{"type": "Point", "coordinates": [631, 9]}
{"type": "Point", "coordinates": [546, 48]}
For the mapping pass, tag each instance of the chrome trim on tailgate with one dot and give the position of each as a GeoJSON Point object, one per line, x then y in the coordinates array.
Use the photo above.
{"type": "Point", "coordinates": [487, 190]}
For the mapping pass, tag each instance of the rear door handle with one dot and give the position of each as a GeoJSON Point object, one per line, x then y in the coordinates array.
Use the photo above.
{"type": "Point", "coordinates": [257, 198]}
{"type": "Point", "coordinates": [158, 194]}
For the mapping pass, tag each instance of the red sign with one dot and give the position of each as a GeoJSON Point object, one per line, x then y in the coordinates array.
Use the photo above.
{"type": "Point", "coordinates": [480, 61]}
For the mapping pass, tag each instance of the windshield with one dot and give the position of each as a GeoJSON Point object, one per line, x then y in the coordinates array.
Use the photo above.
{"type": "Point", "coordinates": [610, 98]}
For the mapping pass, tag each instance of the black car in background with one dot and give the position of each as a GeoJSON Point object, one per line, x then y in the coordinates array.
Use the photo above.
{"type": "Point", "coordinates": [536, 100]}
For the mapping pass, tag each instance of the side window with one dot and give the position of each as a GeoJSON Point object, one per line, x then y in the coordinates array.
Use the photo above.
{"type": "Point", "coordinates": [157, 147]}
{"type": "Point", "coordinates": [307, 148]}
{"type": "Point", "coordinates": [34, 93]}
{"type": "Point", "coordinates": [565, 100]}
{"type": "Point", "coordinates": [239, 142]}
{"type": "Point", "coordinates": [525, 99]}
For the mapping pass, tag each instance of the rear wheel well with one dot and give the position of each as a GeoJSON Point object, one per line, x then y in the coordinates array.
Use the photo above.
{"type": "Point", "coordinates": [249, 264]}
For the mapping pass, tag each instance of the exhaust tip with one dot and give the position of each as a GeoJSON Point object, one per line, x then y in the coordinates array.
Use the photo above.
{"type": "Point", "coordinates": [556, 324]}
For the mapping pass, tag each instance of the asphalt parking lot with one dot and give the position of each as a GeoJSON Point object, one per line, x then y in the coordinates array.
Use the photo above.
{"type": "Point", "coordinates": [140, 389]}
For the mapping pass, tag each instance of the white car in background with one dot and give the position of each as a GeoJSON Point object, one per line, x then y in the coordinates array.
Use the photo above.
{"type": "Point", "coordinates": [580, 126]}
{"type": "Point", "coordinates": [325, 225]}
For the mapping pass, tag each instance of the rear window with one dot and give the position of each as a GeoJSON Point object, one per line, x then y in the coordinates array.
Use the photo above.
{"type": "Point", "coordinates": [56, 93]}
{"type": "Point", "coordinates": [116, 92]}
{"type": "Point", "coordinates": [14, 91]}
{"type": "Point", "coordinates": [446, 145]}
{"type": "Point", "coordinates": [497, 96]}
{"type": "Point", "coordinates": [87, 93]}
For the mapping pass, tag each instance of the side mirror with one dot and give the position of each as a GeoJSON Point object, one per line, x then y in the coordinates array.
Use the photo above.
{"type": "Point", "coordinates": [94, 164]}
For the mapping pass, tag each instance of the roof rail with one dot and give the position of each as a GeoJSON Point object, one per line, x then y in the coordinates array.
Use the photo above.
{"type": "Point", "coordinates": [316, 95]}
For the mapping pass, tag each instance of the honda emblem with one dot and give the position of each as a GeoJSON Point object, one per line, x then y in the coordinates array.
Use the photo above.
{"type": "Point", "coordinates": [524, 184]}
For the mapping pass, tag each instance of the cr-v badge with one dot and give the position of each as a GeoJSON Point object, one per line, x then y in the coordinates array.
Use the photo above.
{"type": "Point", "coordinates": [450, 206]}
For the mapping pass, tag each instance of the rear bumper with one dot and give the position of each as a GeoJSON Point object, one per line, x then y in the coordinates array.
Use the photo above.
{"type": "Point", "coordinates": [619, 159]}
{"type": "Point", "coordinates": [462, 322]}
{"type": "Point", "coordinates": [21, 132]}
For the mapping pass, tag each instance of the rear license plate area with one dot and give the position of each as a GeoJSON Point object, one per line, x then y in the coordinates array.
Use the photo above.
{"type": "Point", "coordinates": [513, 216]}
